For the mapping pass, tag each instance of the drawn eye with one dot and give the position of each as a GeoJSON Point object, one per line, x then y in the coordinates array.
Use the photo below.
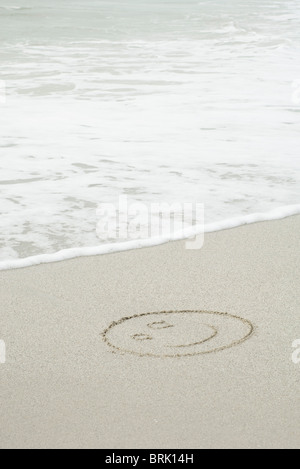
{"type": "Point", "coordinates": [142, 337]}
{"type": "Point", "coordinates": [160, 325]}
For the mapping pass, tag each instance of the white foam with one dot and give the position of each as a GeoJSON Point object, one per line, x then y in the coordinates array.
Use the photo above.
{"type": "Point", "coordinates": [67, 254]}
{"type": "Point", "coordinates": [14, 8]}
{"type": "Point", "coordinates": [159, 101]}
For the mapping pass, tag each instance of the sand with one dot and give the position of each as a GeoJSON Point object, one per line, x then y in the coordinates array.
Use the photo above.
{"type": "Point", "coordinates": [215, 380]}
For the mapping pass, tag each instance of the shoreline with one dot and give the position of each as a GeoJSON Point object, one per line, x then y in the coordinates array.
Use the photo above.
{"type": "Point", "coordinates": [63, 387]}
{"type": "Point", "coordinates": [279, 213]}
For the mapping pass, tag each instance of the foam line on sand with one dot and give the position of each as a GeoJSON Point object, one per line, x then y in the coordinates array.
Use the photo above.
{"type": "Point", "coordinates": [66, 254]}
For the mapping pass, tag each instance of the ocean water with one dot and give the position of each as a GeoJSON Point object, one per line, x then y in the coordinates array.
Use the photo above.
{"type": "Point", "coordinates": [162, 100]}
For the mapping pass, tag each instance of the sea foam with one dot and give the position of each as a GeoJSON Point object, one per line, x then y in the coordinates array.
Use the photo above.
{"type": "Point", "coordinates": [67, 254]}
{"type": "Point", "coordinates": [190, 101]}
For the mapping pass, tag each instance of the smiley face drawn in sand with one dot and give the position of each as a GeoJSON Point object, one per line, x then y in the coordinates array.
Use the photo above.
{"type": "Point", "coordinates": [177, 333]}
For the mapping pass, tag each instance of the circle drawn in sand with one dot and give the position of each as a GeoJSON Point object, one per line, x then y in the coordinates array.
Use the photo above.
{"type": "Point", "coordinates": [177, 333]}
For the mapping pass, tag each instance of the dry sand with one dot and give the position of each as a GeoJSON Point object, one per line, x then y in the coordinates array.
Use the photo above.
{"type": "Point", "coordinates": [63, 386]}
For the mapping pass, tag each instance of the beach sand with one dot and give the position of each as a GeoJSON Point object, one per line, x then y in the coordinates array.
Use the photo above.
{"type": "Point", "coordinates": [65, 384]}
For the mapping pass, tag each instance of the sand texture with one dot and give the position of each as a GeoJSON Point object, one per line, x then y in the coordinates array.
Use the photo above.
{"type": "Point", "coordinates": [156, 348]}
